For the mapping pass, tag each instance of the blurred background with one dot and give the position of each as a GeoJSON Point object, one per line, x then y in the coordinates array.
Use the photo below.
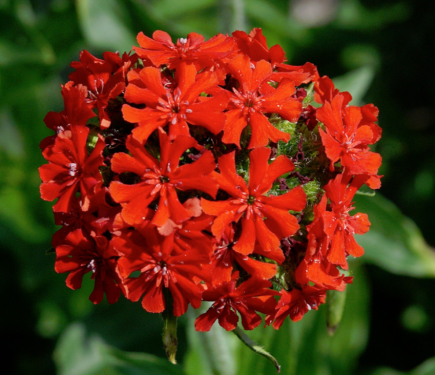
{"type": "Point", "coordinates": [378, 50]}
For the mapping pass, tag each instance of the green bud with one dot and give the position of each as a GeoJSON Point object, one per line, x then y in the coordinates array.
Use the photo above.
{"type": "Point", "coordinates": [335, 302]}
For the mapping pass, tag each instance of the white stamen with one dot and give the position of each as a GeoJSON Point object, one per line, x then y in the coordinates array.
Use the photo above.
{"type": "Point", "coordinates": [73, 169]}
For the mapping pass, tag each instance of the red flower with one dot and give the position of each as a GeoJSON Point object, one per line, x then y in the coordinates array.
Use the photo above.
{"type": "Point", "coordinates": [298, 74]}
{"type": "Point", "coordinates": [193, 49]}
{"type": "Point", "coordinates": [174, 108]}
{"type": "Point", "coordinates": [76, 219]}
{"type": "Point", "coordinates": [264, 219]}
{"type": "Point", "coordinates": [346, 139]}
{"type": "Point", "coordinates": [339, 225]}
{"type": "Point", "coordinates": [250, 296]}
{"type": "Point", "coordinates": [153, 255]}
{"type": "Point", "coordinates": [105, 79]}
{"type": "Point", "coordinates": [225, 256]}
{"type": "Point", "coordinates": [70, 170]}
{"type": "Point", "coordinates": [80, 255]}
{"type": "Point", "coordinates": [76, 112]}
{"type": "Point", "coordinates": [296, 304]}
{"type": "Point", "coordinates": [254, 98]}
{"type": "Point", "coordinates": [160, 179]}
{"type": "Point", "coordinates": [325, 91]}
{"type": "Point", "coordinates": [315, 266]}
{"type": "Point", "coordinates": [254, 45]}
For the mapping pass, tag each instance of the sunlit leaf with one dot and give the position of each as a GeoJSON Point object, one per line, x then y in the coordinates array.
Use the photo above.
{"type": "Point", "coordinates": [394, 242]}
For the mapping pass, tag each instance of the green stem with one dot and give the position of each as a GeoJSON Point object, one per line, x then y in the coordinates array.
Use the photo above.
{"type": "Point", "coordinates": [256, 348]}
{"type": "Point", "coordinates": [169, 335]}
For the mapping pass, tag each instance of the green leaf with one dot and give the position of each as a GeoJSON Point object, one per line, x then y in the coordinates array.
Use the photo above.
{"type": "Point", "coordinates": [77, 354]}
{"type": "Point", "coordinates": [103, 23]}
{"type": "Point", "coordinates": [356, 82]}
{"type": "Point", "coordinates": [394, 242]}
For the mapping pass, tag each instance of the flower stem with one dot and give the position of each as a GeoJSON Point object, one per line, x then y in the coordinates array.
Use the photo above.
{"type": "Point", "coordinates": [169, 334]}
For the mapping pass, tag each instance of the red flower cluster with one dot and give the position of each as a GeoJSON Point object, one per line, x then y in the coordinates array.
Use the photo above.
{"type": "Point", "coordinates": [198, 171]}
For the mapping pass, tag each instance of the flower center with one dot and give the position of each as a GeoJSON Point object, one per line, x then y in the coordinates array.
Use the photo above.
{"type": "Point", "coordinates": [73, 171]}
{"type": "Point", "coordinates": [250, 200]}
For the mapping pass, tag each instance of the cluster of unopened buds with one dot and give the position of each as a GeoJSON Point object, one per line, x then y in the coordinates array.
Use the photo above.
{"type": "Point", "coordinates": [208, 171]}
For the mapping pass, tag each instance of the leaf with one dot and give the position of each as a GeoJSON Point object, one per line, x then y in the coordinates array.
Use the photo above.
{"type": "Point", "coordinates": [76, 354]}
{"type": "Point", "coordinates": [394, 242]}
{"type": "Point", "coordinates": [103, 23]}
{"type": "Point", "coordinates": [356, 82]}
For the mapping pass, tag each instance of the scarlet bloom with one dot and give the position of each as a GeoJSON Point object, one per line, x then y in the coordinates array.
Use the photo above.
{"type": "Point", "coordinates": [225, 256]}
{"type": "Point", "coordinates": [315, 267]}
{"type": "Point", "coordinates": [104, 79]}
{"type": "Point", "coordinates": [253, 99]}
{"type": "Point", "coordinates": [76, 112]}
{"type": "Point", "coordinates": [298, 74]}
{"type": "Point", "coordinates": [160, 179]}
{"type": "Point", "coordinates": [264, 219]}
{"type": "Point", "coordinates": [339, 225]}
{"type": "Point", "coordinates": [80, 255]}
{"type": "Point", "coordinates": [191, 50]}
{"type": "Point", "coordinates": [254, 45]}
{"type": "Point", "coordinates": [177, 107]}
{"type": "Point", "coordinates": [346, 139]}
{"type": "Point", "coordinates": [153, 255]}
{"type": "Point", "coordinates": [249, 297]}
{"type": "Point", "coordinates": [75, 219]}
{"type": "Point", "coordinates": [325, 91]}
{"type": "Point", "coordinates": [296, 304]}
{"type": "Point", "coordinates": [70, 170]}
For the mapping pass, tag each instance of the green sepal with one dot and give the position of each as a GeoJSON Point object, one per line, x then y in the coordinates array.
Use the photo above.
{"type": "Point", "coordinates": [283, 125]}
{"type": "Point", "coordinates": [310, 95]}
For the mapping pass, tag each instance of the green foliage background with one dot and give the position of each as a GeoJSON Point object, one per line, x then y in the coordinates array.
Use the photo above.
{"type": "Point", "coordinates": [378, 50]}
